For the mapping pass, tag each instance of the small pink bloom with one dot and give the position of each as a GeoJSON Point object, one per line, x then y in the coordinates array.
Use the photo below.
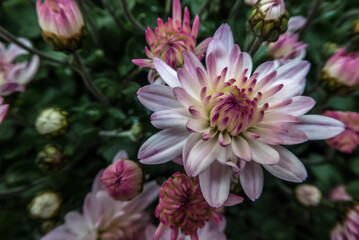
{"type": "Point", "coordinates": [123, 179]}
{"type": "Point", "coordinates": [14, 76]}
{"type": "Point", "coordinates": [183, 207]}
{"type": "Point", "coordinates": [171, 39]}
{"type": "Point", "coordinates": [106, 218]}
{"type": "Point", "coordinates": [342, 68]}
{"type": "Point", "coordinates": [272, 9]}
{"type": "Point", "coordinates": [224, 117]}
{"type": "Point", "coordinates": [339, 193]}
{"type": "Point", "coordinates": [3, 109]}
{"type": "Point", "coordinates": [61, 23]}
{"type": "Point", "coordinates": [348, 227]}
{"type": "Point", "coordinates": [288, 47]}
{"type": "Point", "coordinates": [308, 195]}
{"type": "Point", "coordinates": [348, 140]}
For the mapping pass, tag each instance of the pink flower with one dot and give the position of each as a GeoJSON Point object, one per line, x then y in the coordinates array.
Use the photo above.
{"type": "Point", "coordinates": [339, 193]}
{"type": "Point", "coordinates": [308, 195]}
{"type": "Point", "coordinates": [123, 179]}
{"type": "Point", "coordinates": [105, 218]}
{"type": "Point", "coordinates": [182, 207]}
{"type": "Point", "coordinates": [288, 47]}
{"type": "Point", "coordinates": [61, 23]}
{"type": "Point", "coordinates": [348, 228]}
{"type": "Point", "coordinates": [223, 118]}
{"type": "Point", "coordinates": [348, 140]}
{"type": "Point", "coordinates": [3, 109]}
{"type": "Point", "coordinates": [171, 39]}
{"type": "Point", "coordinates": [14, 76]}
{"type": "Point", "coordinates": [341, 69]}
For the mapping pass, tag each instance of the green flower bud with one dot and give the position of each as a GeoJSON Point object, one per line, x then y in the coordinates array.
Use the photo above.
{"type": "Point", "coordinates": [51, 159]}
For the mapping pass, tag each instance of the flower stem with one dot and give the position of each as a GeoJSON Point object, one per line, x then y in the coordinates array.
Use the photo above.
{"type": "Point", "coordinates": [107, 6]}
{"type": "Point", "coordinates": [81, 69]}
{"type": "Point", "coordinates": [255, 46]}
{"type": "Point", "coordinates": [204, 7]}
{"type": "Point", "coordinates": [21, 189]}
{"type": "Point", "coordinates": [235, 8]}
{"type": "Point", "coordinates": [90, 22]}
{"type": "Point", "coordinates": [11, 38]}
{"type": "Point", "coordinates": [19, 120]}
{"type": "Point", "coordinates": [128, 15]}
{"type": "Point", "coordinates": [311, 16]}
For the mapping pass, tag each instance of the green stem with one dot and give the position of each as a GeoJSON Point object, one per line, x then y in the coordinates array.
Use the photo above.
{"type": "Point", "coordinates": [19, 120]}
{"type": "Point", "coordinates": [81, 69]}
{"type": "Point", "coordinates": [235, 8]}
{"type": "Point", "coordinates": [128, 15]}
{"type": "Point", "coordinates": [21, 189]}
{"type": "Point", "coordinates": [313, 13]}
{"type": "Point", "coordinates": [107, 6]}
{"type": "Point", "coordinates": [11, 38]}
{"type": "Point", "coordinates": [255, 46]}
{"type": "Point", "coordinates": [204, 7]}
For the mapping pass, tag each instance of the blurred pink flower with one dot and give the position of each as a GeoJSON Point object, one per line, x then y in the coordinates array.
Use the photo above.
{"type": "Point", "coordinates": [342, 69]}
{"type": "Point", "coordinates": [339, 193]}
{"type": "Point", "coordinates": [348, 228]}
{"type": "Point", "coordinates": [106, 218]}
{"type": "Point", "coordinates": [348, 140]}
{"type": "Point", "coordinates": [61, 23]}
{"type": "Point", "coordinates": [15, 75]}
{"type": "Point", "coordinates": [183, 208]}
{"type": "Point", "coordinates": [222, 117]}
{"type": "Point", "coordinates": [288, 47]}
{"type": "Point", "coordinates": [171, 39]}
{"type": "Point", "coordinates": [123, 179]}
{"type": "Point", "coordinates": [3, 109]}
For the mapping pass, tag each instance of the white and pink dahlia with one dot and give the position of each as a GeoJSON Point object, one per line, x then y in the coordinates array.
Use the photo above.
{"type": "Point", "coordinates": [104, 218]}
{"type": "Point", "coordinates": [171, 39]}
{"type": "Point", "coordinates": [224, 119]}
{"type": "Point", "coordinates": [14, 75]}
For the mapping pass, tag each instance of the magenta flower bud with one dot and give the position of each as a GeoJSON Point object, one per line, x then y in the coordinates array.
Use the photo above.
{"type": "Point", "coordinates": [308, 195]}
{"type": "Point", "coordinates": [61, 23]}
{"type": "Point", "coordinates": [3, 109]}
{"type": "Point", "coordinates": [339, 193]}
{"type": "Point", "coordinates": [123, 179]}
{"type": "Point", "coordinates": [340, 73]}
{"type": "Point", "coordinates": [182, 206]}
{"type": "Point", "coordinates": [171, 39]}
{"type": "Point", "coordinates": [348, 225]}
{"type": "Point", "coordinates": [348, 140]}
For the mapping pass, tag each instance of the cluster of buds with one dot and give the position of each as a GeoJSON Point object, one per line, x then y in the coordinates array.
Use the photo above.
{"type": "Point", "coordinates": [52, 122]}
{"type": "Point", "coordinates": [45, 205]}
{"type": "Point", "coordinates": [340, 74]}
{"type": "Point", "coordinates": [269, 19]}
{"type": "Point", "coordinates": [62, 24]}
{"type": "Point", "coordinates": [348, 140]}
{"type": "Point", "coordinates": [51, 159]}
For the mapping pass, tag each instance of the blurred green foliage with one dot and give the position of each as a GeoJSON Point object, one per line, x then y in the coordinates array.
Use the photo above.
{"type": "Point", "coordinates": [276, 215]}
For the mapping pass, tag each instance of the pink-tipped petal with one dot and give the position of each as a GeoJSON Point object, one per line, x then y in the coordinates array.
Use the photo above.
{"type": "Point", "coordinates": [252, 180]}
{"type": "Point", "coordinates": [263, 153]}
{"type": "Point", "coordinates": [166, 72]}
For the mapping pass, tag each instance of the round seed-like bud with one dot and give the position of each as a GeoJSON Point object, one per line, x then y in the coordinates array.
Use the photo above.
{"type": "Point", "coordinates": [52, 122]}
{"type": "Point", "coordinates": [45, 205]}
{"type": "Point", "coordinates": [308, 195]}
{"type": "Point", "coordinates": [51, 159]}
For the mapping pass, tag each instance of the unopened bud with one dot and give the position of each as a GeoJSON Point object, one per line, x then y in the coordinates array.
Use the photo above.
{"type": "Point", "coordinates": [51, 159]}
{"type": "Point", "coordinates": [52, 122]}
{"type": "Point", "coordinates": [308, 195]}
{"type": "Point", "coordinates": [45, 205]}
{"type": "Point", "coordinates": [136, 131]}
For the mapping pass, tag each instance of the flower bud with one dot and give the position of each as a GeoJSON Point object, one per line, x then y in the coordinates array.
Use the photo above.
{"type": "Point", "coordinates": [52, 122]}
{"type": "Point", "coordinates": [348, 140]}
{"type": "Point", "coordinates": [308, 195]}
{"type": "Point", "coordinates": [136, 131]}
{"type": "Point", "coordinates": [123, 179]}
{"type": "Point", "coordinates": [340, 74]}
{"type": "Point", "coordinates": [45, 205]}
{"type": "Point", "coordinates": [269, 19]}
{"type": "Point", "coordinates": [61, 23]}
{"type": "Point", "coordinates": [51, 159]}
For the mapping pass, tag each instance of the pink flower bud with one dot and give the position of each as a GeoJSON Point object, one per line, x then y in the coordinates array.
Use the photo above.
{"type": "Point", "coordinates": [339, 193]}
{"type": "Point", "coordinates": [308, 195]}
{"type": "Point", "coordinates": [123, 179]}
{"type": "Point", "coordinates": [348, 140]}
{"type": "Point", "coordinates": [340, 71]}
{"type": "Point", "coordinates": [61, 23]}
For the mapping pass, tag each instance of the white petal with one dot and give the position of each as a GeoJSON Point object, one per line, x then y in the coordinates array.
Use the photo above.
{"type": "Point", "coordinates": [77, 223]}
{"type": "Point", "coordinates": [264, 69]}
{"type": "Point", "coordinates": [215, 184]}
{"type": "Point", "coordinates": [157, 97]}
{"type": "Point", "coordinates": [293, 71]}
{"type": "Point", "coordinates": [224, 33]}
{"type": "Point", "coordinates": [300, 105]}
{"type": "Point", "coordinates": [185, 98]}
{"type": "Point", "coordinates": [318, 127]}
{"type": "Point", "coordinates": [289, 168]}
{"type": "Point", "coordinates": [172, 118]}
{"type": "Point", "coordinates": [189, 83]}
{"type": "Point", "coordinates": [166, 72]}
{"type": "Point", "coordinates": [241, 148]}
{"type": "Point", "coordinates": [163, 146]}
{"type": "Point", "coordinates": [252, 180]}
{"type": "Point", "coordinates": [263, 153]}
